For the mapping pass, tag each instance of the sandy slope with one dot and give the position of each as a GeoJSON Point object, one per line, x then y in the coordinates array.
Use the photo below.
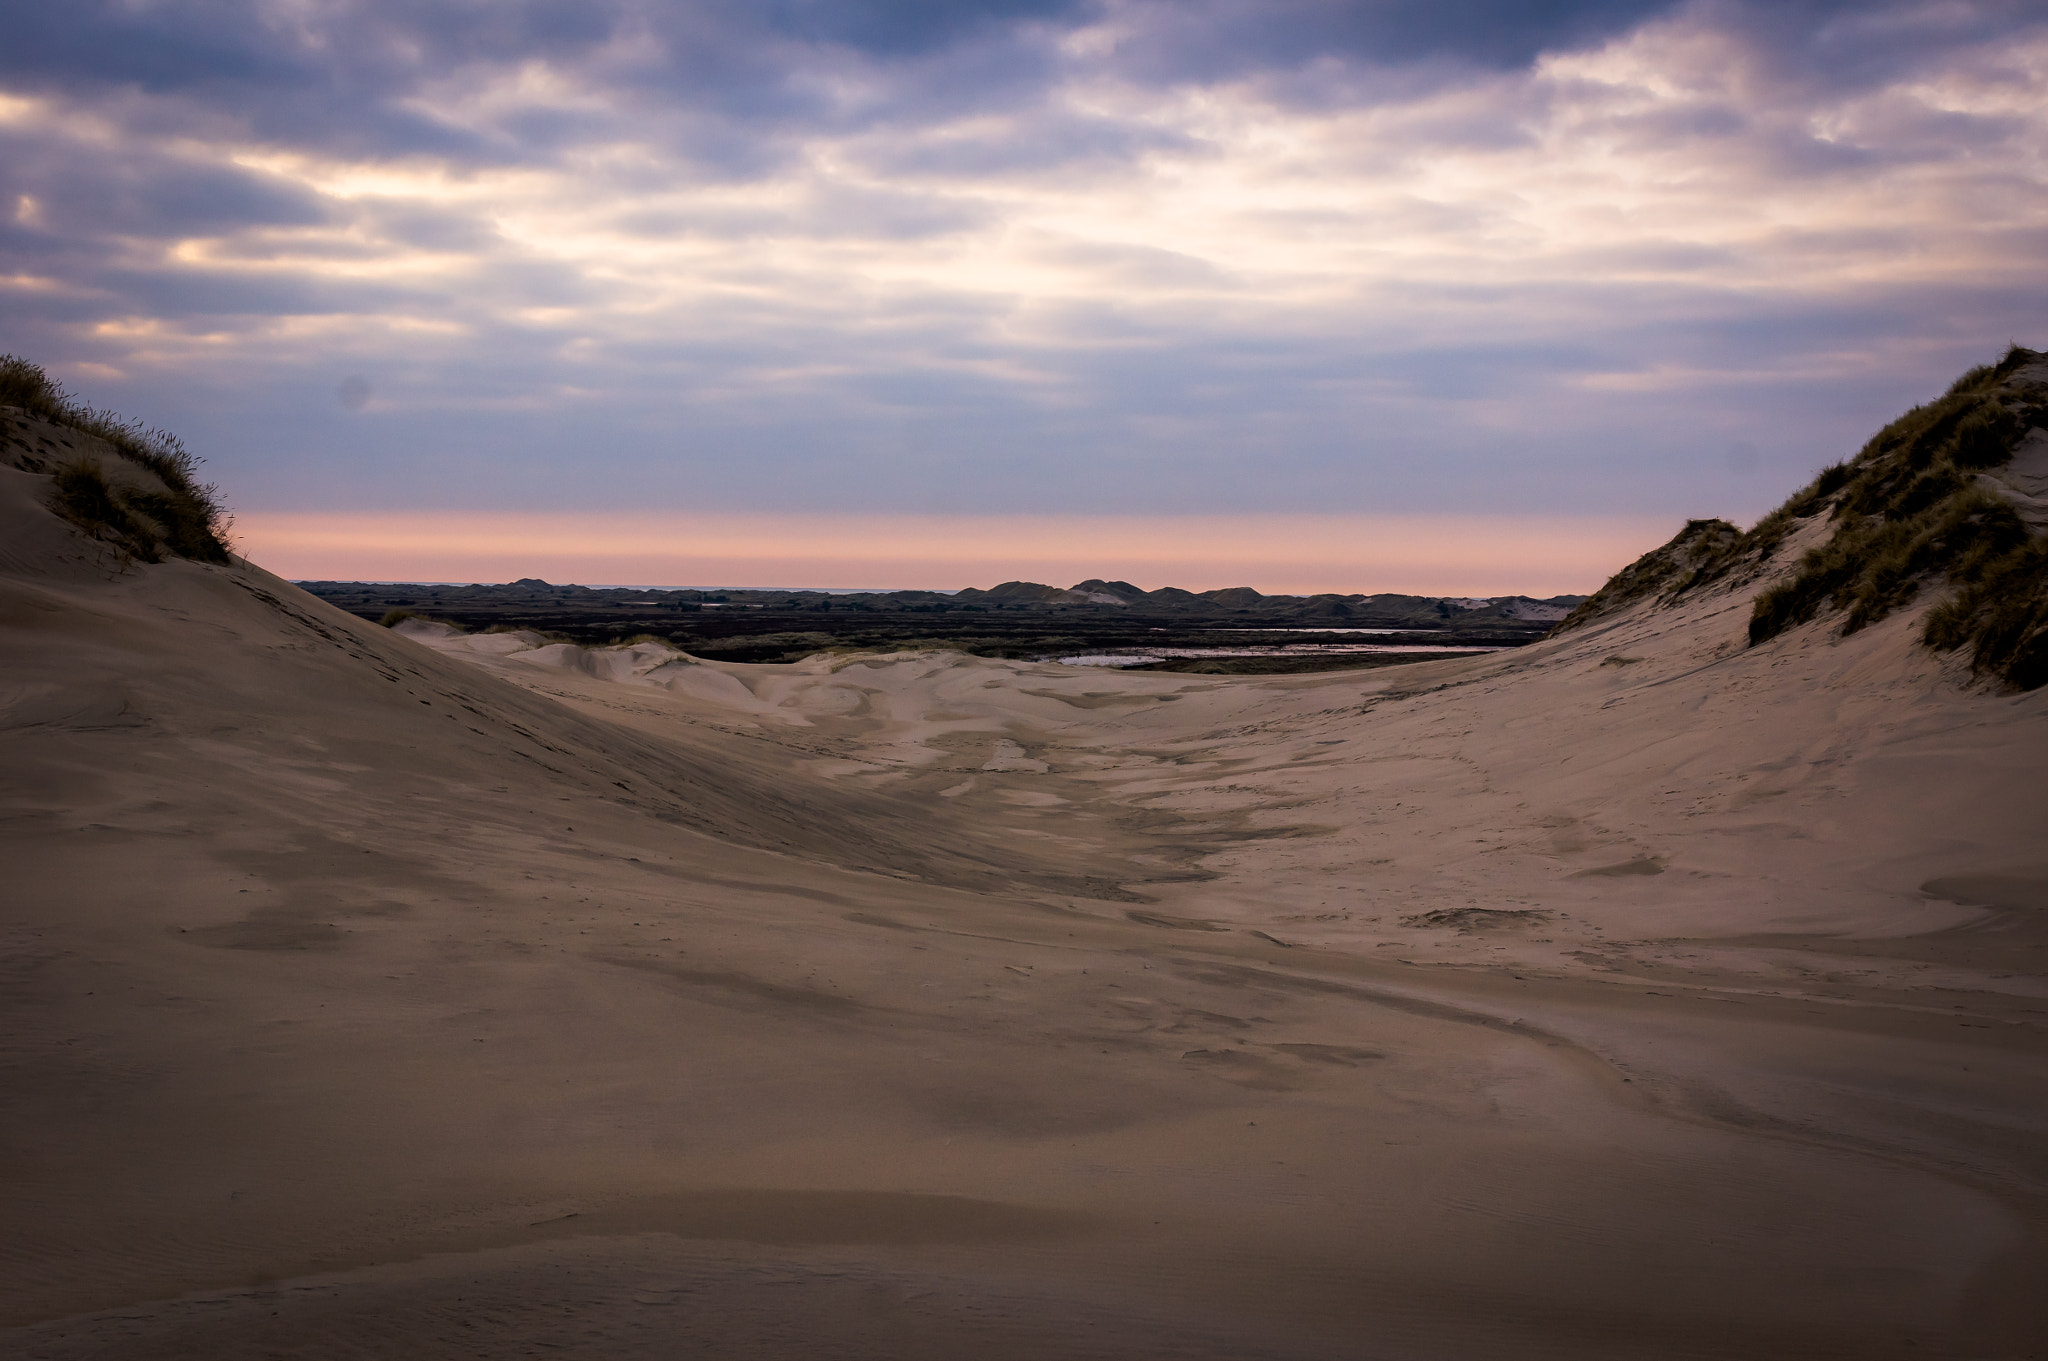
{"type": "Point", "coordinates": [377, 995]}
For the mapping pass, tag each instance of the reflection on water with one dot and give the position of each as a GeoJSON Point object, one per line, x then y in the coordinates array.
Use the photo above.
{"type": "Point", "coordinates": [1138, 656]}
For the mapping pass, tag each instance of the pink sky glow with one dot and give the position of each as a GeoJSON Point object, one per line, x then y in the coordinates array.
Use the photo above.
{"type": "Point", "coordinates": [1301, 554]}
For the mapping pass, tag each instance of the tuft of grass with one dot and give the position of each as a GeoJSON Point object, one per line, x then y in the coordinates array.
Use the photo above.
{"type": "Point", "coordinates": [1910, 512]}
{"type": "Point", "coordinates": [393, 618]}
{"type": "Point", "coordinates": [1701, 551]}
{"type": "Point", "coordinates": [550, 635]}
{"type": "Point", "coordinates": [2002, 616]}
{"type": "Point", "coordinates": [82, 495]}
{"type": "Point", "coordinates": [1872, 566]}
{"type": "Point", "coordinates": [192, 521]}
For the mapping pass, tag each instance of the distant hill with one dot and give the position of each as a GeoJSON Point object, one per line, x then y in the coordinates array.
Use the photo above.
{"type": "Point", "coordinates": [1011, 619]}
{"type": "Point", "coordinates": [1385, 610]}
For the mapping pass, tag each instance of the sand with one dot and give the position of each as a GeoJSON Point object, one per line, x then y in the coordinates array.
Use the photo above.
{"type": "Point", "coordinates": [378, 993]}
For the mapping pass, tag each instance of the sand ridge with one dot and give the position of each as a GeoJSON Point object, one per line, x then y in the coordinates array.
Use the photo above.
{"type": "Point", "coordinates": [1635, 994]}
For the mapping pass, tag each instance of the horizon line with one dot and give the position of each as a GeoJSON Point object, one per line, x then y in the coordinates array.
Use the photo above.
{"type": "Point", "coordinates": [1539, 556]}
{"type": "Point", "coordinates": [922, 590]}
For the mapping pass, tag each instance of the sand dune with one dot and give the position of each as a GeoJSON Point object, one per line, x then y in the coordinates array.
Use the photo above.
{"type": "Point", "coordinates": [376, 993]}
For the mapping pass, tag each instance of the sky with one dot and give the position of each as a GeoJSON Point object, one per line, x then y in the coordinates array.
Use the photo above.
{"type": "Point", "coordinates": [1459, 296]}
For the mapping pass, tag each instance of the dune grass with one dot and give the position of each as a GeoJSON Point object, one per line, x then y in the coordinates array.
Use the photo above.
{"type": "Point", "coordinates": [1703, 551]}
{"type": "Point", "coordinates": [82, 495]}
{"type": "Point", "coordinates": [1910, 513]}
{"type": "Point", "coordinates": [187, 518]}
{"type": "Point", "coordinates": [2002, 616]}
{"type": "Point", "coordinates": [393, 618]}
{"type": "Point", "coordinates": [1874, 564]}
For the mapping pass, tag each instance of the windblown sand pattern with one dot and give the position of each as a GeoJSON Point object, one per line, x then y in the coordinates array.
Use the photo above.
{"type": "Point", "coordinates": [380, 993]}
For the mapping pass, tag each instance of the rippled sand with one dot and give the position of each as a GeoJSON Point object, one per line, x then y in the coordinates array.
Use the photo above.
{"type": "Point", "coordinates": [1632, 995]}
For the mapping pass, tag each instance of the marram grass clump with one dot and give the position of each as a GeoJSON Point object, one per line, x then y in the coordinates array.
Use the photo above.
{"type": "Point", "coordinates": [1705, 552]}
{"type": "Point", "coordinates": [82, 495]}
{"type": "Point", "coordinates": [1704, 549]}
{"type": "Point", "coordinates": [2002, 616]}
{"type": "Point", "coordinates": [186, 518]}
{"type": "Point", "coordinates": [1874, 564]}
{"type": "Point", "coordinates": [1910, 512]}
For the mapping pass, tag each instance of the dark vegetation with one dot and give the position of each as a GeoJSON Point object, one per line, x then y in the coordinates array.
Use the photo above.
{"type": "Point", "coordinates": [1287, 666]}
{"type": "Point", "coordinates": [1016, 619]}
{"type": "Point", "coordinates": [178, 515]}
{"type": "Point", "coordinates": [1702, 551]}
{"type": "Point", "coordinates": [2001, 614]}
{"type": "Point", "coordinates": [1910, 511]}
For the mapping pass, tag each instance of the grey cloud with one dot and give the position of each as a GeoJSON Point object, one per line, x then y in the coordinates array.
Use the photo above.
{"type": "Point", "coordinates": [824, 392]}
{"type": "Point", "coordinates": [205, 299]}
{"type": "Point", "coordinates": [87, 193]}
{"type": "Point", "coordinates": [409, 224]}
{"type": "Point", "coordinates": [1036, 141]}
{"type": "Point", "coordinates": [1338, 53]}
{"type": "Point", "coordinates": [724, 82]}
{"type": "Point", "coordinates": [1138, 265]}
{"type": "Point", "coordinates": [909, 27]}
{"type": "Point", "coordinates": [754, 399]}
{"type": "Point", "coordinates": [343, 75]}
{"type": "Point", "coordinates": [1203, 40]}
{"type": "Point", "coordinates": [1854, 44]}
{"type": "Point", "coordinates": [196, 64]}
{"type": "Point", "coordinates": [827, 212]}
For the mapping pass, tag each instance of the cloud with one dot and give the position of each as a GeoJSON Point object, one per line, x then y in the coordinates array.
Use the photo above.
{"type": "Point", "coordinates": [1210, 40]}
{"type": "Point", "coordinates": [1057, 257]}
{"type": "Point", "coordinates": [111, 193]}
{"type": "Point", "coordinates": [908, 27]}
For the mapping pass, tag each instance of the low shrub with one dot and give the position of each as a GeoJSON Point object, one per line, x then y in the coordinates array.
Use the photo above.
{"type": "Point", "coordinates": [193, 521]}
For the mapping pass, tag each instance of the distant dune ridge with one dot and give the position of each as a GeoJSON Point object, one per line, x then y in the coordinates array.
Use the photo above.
{"type": "Point", "coordinates": [1330, 605]}
{"type": "Point", "coordinates": [1670, 987]}
{"type": "Point", "coordinates": [1383, 608]}
{"type": "Point", "coordinates": [1024, 621]}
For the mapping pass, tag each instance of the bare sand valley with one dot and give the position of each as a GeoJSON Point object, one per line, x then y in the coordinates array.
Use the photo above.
{"type": "Point", "coordinates": [377, 993]}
